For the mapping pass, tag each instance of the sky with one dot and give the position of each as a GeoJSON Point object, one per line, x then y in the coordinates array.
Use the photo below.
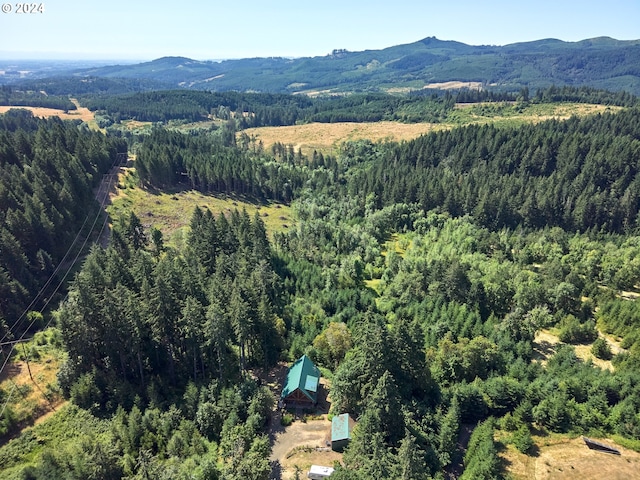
{"type": "Point", "coordinates": [215, 29]}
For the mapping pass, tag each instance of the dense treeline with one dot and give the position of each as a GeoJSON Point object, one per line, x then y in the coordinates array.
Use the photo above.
{"type": "Point", "coordinates": [257, 110]}
{"type": "Point", "coordinates": [579, 174]}
{"type": "Point", "coordinates": [164, 340]}
{"type": "Point", "coordinates": [214, 163]}
{"type": "Point", "coordinates": [136, 318]}
{"type": "Point", "coordinates": [585, 95]}
{"type": "Point", "coordinates": [261, 109]}
{"type": "Point", "coordinates": [473, 299]}
{"type": "Point", "coordinates": [210, 432]}
{"type": "Point", "coordinates": [20, 98]}
{"type": "Point", "coordinates": [80, 86]}
{"type": "Point", "coordinates": [48, 169]}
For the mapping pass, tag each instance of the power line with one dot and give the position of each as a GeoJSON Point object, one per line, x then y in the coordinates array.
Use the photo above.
{"type": "Point", "coordinates": [8, 398]}
{"type": "Point", "coordinates": [102, 203]}
{"type": "Point", "coordinates": [80, 250]}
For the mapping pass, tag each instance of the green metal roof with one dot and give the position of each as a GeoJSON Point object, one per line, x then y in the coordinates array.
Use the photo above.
{"type": "Point", "coordinates": [304, 376]}
{"type": "Point", "coordinates": [341, 427]}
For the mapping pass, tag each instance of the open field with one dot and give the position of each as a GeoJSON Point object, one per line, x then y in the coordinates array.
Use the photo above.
{"type": "Point", "coordinates": [562, 457]}
{"type": "Point", "coordinates": [327, 137]}
{"type": "Point", "coordinates": [169, 211]}
{"type": "Point", "coordinates": [81, 113]}
{"type": "Point", "coordinates": [511, 114]}
{"type": "Point", "coordinates": [455, 85]}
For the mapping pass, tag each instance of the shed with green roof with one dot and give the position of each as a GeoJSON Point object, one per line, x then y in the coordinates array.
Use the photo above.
{"type": "Point", "coordinates": [302, 382]}
{"type": "Point", "coordinates": [341, 428]}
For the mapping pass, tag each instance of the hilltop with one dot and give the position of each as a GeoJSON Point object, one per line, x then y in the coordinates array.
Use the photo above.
{"type": "Point", "coordinates": [601, 62]}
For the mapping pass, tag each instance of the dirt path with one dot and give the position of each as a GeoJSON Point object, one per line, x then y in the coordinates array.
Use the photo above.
{"type": "Point", "coordinates": [104, 193]}
{"type": "Point", "coordinates": [301, 445]}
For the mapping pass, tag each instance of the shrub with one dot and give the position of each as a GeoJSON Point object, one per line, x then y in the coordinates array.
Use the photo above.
{"type": "Point", "coordinates": [522, 439]}
{"type": "Point", "coordinates": [85, 393]}
{"type": "Point", "coordinates": [286, 420]}
{"type": "Point", "coordinates": [572, 331]}
{"type": "Point", "coordinates": [601, 349]}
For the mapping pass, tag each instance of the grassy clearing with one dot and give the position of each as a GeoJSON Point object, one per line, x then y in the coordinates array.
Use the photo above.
{"type": "Point", "coordinates": [545, 344]}
{"type": "Point", "coordinates": [170, 211]}
{"type": "Point", "coordinates": [564, 457]}
{"type": "Point", "coordinates": [375, 285]}
{"type": "Point", "coordinates": [513, 114]}
{"type": "Point", "coordinates": [81, 113]}
{"type": "Point", "coordinates": [327, 137]}
{"type": "Point", "coordinates": [397, 242]}
{"type": "Point", "coordinates": [29, 381]}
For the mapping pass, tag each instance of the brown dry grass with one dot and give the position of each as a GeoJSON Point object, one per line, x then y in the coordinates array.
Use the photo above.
{"type": "Point", "coordinates": [544, 346]}
{"type": "Point", "coordinates": [561, 457]}
{"type": "Point", "coordinates": [327, 137]}
{"type": "Point", "coordinates": [81, 113]}
{"type": "Point", "coordinates": [303, 444]}
{"type": "Point", "coordinates": [27, 399]}
{"type": "Point", "coordinates": [303, 459]}
{"type": "Point", "coordinates": [455, 85]}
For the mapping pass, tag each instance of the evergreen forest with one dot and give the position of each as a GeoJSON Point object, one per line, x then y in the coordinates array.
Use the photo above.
{"type": "Point", "coordinates": [418, 275]}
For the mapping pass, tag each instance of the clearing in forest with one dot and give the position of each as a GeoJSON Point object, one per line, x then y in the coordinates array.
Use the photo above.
{"type": "Point", "coordinates": [545, 344]}
{"type": "Point", "coordinates": [560, 457]}
{"type": "Point", "coordinates": [81, 113]}
{"type": "Point", "coordinates": [29, 388]}
{"type": "Point", "coordinates": [170, 211]}
{"type": "Point", "coordinates": [327, 137]}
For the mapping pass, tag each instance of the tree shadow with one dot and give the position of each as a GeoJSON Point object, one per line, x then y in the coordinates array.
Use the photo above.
{"type": "Point", "coordinates": [276, 470]}
{"type": "Point", "coordinates": [538, 432]}
{"type": "Point", "coordinates": [534, 451]}
{"type": "Point", "coordinates": [543, 350]}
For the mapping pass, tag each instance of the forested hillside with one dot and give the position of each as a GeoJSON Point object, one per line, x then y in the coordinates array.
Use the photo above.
{"type": "Point", "coordinates": [418, 275]}
{"type": "Point", "coordinates": [48, 169]}
{"type": "Point", "coordinates": [579, 174]}
{"type": "Point", "coordinates": [259, 109]}
{"type": "Point", "coordinates": [21, 98]}
{"type": "Point", "coordinates": [599, 62]}
{"type": "Point", "coordinates": [255, 110]}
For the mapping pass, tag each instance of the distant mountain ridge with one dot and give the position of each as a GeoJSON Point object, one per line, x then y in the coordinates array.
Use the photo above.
{"type": "Point", "coordinates": [601, 62]}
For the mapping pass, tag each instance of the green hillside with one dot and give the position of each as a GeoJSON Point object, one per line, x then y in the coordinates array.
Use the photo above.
{"type": "Point", "coordinates": [600, 62]}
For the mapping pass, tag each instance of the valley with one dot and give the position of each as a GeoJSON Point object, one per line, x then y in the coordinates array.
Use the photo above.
{"type": "Point", "coordinates": [462, 266]}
